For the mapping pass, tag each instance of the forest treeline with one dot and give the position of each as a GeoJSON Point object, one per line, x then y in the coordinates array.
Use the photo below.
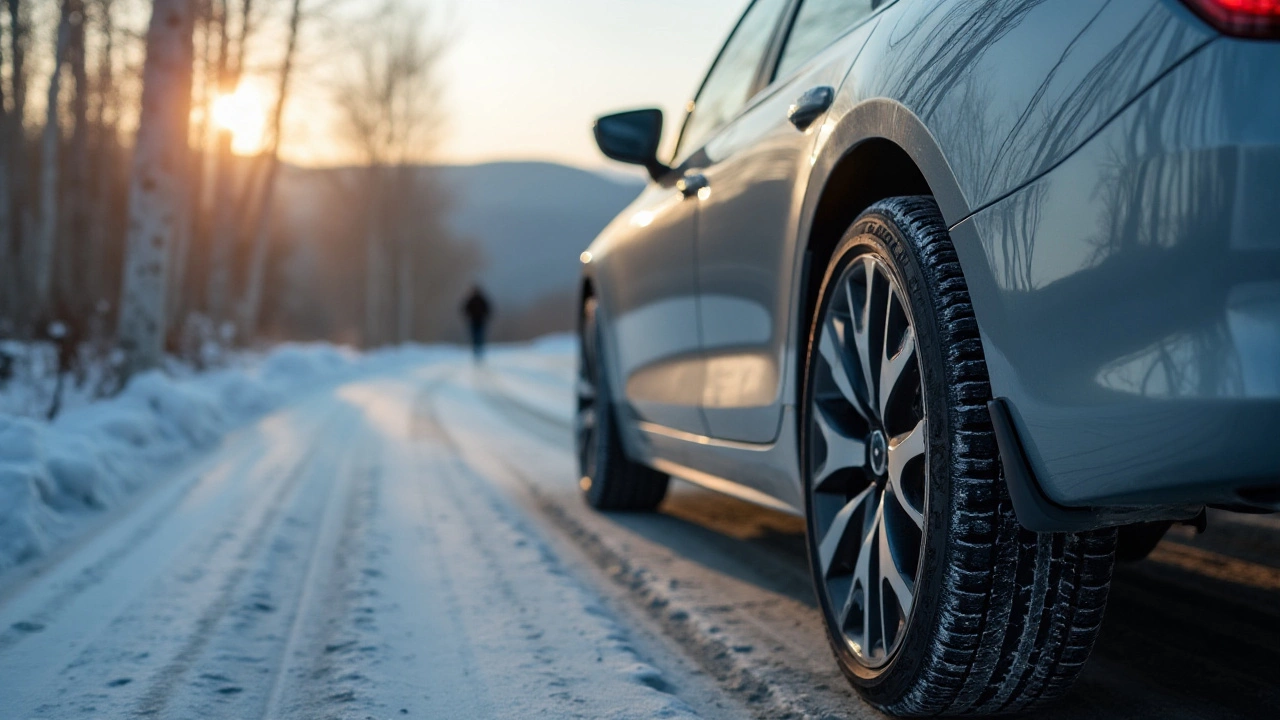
{"type": "Point", "coordinates": [132, 228]}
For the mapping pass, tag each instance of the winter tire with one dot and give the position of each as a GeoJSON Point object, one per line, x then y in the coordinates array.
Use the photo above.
{"type": "Point", "coordinates": [936, 600]}
{"type": "Point", "coordinates": [609, 479]}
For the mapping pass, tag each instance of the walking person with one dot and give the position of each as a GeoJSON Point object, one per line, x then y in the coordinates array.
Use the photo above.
{"type": "Point", "coordinates": [476, 309]}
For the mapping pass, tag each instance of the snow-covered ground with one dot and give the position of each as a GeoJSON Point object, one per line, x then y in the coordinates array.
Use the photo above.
{"type": "Point", "coordinates": [337, 557]}
{"type": "Point", "coordinates": [56, 478]}
{"type": "Point", "coordinates": [323, 535]}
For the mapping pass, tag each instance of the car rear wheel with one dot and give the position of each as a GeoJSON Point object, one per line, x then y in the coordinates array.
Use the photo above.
{"type": "Point", "coordinates": [608, 478]}
{"type": "Point", "coordinates": [936, 601]}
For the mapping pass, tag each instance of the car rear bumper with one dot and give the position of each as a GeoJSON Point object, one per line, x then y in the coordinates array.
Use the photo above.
{"type": "Point", "coordinates": [1129, 299]}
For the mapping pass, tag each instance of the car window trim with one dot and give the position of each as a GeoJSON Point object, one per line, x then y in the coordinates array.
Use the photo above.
{"type": "Point", "coordinates": [759, 83]}
{"type": "Point", "coordinates": [765, 84]}
{"type": "Point", "coordinates": [877, 6]}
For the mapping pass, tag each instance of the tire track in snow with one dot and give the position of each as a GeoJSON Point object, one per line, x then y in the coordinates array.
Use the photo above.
{"type": "Point", "coordinates": [720, 624]}
{"type": "Point", "coordinates": [169, 678]}
{"type": "Point", "coordinates": [324, 548]}
{"type": "Point", "coordinates": [88, 605]}
{"type": "Point", "coordinates": [524, 580]}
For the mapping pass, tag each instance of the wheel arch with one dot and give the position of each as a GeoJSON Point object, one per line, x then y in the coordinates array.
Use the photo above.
{"type": "Point", "coordinates": [876, 150]}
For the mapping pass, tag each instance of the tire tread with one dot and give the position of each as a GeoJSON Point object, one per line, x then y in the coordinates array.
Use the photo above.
{"type": "Point", "coordinates": [1021, 610]}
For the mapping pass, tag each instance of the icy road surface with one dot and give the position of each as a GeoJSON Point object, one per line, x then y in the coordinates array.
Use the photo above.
{"type": "Point", "coordinates": [411, 544]}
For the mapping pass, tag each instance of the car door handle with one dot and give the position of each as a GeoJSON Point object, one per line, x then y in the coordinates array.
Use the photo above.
{"type": "Point", "coordinates": [691, 184]}
{"type": "Point", "coordinates": [810, 106]}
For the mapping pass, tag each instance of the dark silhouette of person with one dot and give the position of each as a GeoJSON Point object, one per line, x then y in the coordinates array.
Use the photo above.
{"type": "Point", "coordinates": [476, 309]}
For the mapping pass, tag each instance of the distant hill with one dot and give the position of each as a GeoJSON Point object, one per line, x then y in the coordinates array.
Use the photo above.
{"type": "Point", "coordinates": [529, 221]}
{"type": "Point", "coordinates": [532, 220]}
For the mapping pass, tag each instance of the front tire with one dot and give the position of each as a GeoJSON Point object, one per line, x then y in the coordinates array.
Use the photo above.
{"type": "Point", "coordinates": [936, 600]}
{"type": "Point", "coordinates": [608, 478]}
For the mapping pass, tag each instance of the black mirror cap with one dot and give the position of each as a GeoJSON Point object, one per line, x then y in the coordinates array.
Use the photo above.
{"type": "Point", "coordinates": [632, 137]}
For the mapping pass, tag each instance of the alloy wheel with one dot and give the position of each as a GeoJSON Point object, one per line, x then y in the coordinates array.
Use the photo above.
{"type": "Point", "coordinates": [867, 458]}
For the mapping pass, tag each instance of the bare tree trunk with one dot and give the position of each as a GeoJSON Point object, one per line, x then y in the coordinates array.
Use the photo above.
{"type": "Point", "coordinates": [375, 267]}
{"type": "Point", "coordinates": [180, 300]}
{"type": "Point", "coordinates": [228, 208]}
{"type": "Point", "coordinates": [157, 182]}
{"type": "Point", "coordinates": [41, 257]}
{"type": "Point", "coordinates": [71, 271]}
{"type": "Point", "coordinates": [105, 144]}
{"type": "Point", "coordinates": [16, 141]}
{"type": "Point", "coordinates": [262, 225]}
{"type": "Point", "coordinates": [8, 296]}
{"type": "Point", "coordinates": [406, 189]}
{"type": "Point", "coordinates": [404, 292]}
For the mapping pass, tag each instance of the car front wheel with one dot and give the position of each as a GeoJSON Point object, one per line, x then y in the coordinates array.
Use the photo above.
{"type": "Point", "coordinates": [936, 601]}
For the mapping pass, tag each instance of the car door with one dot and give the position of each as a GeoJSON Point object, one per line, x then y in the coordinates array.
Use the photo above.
{"type": "Point", "coordinates": [753, 169]}
{"type": "Point", "coordinates": [647, 275]}
{"type": "Point", "coordinates": [650, 263]}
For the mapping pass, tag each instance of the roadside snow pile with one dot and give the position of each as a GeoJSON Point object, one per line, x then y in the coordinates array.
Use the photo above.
{"type": "Point", "coordinates": [53, 475]}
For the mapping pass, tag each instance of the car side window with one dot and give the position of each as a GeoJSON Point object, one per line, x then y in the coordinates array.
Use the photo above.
{"type": "Point", "coordinates": [817, 25]}
{"type": "Point", "coordinates": [728, 86]}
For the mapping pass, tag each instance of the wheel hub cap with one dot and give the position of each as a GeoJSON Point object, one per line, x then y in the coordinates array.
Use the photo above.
{"type": "Point", "coordinates": [878, 453]}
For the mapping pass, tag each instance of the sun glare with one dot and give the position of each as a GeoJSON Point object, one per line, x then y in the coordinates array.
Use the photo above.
{"type": "Point", "coordinates": [243, 113]}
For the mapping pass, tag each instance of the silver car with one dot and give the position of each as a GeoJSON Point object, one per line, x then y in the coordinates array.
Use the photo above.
{"type": "Point", "coordinates": [984, 290]}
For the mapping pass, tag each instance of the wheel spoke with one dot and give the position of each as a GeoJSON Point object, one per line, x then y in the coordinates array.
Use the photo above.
{"type": "Point", "coordinates": [836, 534]}
{"type": "Point", "coordinates": [862, 327]}
{"type": "Point", "coordinates": [917, 517]}
{"type": "Point", "coordinates": [905, 448]}
{"type": "Point", "coordinates": [832, 347]}
{"type": "Point", "coordinates": [842, 452]}
{"type": "Point", "coordinates": [892, 368]}
{"type": "Point", "coordinates": [862, 572]}
{"type": "Point", "coordinates": [903, 587]}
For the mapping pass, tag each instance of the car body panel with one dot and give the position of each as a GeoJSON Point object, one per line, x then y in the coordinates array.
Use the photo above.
{"type": "Point", "coordinates": [1130, 299]}
{"type": "Point", "coordinates": [747, 228]}
{"type": "Point", "coordinates": [1010, 87]}
{"type": "Point", "coordinates": [644, 275]}
{"type": "Point", "coordinates": [994, 103]}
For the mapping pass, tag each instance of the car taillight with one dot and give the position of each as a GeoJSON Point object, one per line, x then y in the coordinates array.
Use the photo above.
{"type": "Point", "coordinates": [1242, 18]}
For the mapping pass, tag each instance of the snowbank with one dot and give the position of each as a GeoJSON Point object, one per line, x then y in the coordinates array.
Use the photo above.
{"type": "Point", "coordinates": [54, 475]}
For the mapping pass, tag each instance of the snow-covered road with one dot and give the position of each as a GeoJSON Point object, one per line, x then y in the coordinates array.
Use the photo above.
{"type": "Point", "coordinates": [411, 544]}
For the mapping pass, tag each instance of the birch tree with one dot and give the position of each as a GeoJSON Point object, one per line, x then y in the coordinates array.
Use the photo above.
{"type": "Point", "coordinates": [157, 181]}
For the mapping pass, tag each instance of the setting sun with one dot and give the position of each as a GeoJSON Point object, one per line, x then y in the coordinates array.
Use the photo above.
{"type": "Point", "coordinates": [243, 113]}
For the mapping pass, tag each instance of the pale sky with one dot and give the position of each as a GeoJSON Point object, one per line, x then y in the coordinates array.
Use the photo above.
{"type": "Point", "coordinates": [525, 78]}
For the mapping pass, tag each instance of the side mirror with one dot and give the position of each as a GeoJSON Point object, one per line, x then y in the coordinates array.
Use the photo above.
{"type": "Point", "coordinates": [633, 137]}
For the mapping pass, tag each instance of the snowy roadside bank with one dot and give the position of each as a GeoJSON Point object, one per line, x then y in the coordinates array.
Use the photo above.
{"type": "Point", "coordinates": [56, 477]}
